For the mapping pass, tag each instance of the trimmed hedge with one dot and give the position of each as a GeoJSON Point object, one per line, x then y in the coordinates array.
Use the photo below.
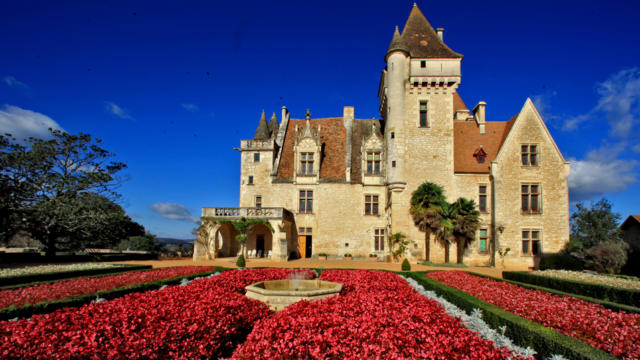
{"type": "Point", "coordinates": [544, 341]}
{"type": "Point", "coordinates": [561, 261]}
{"type": "Point", "coordinates": [13, 258]}
{"type": "Point", "coordinates": [29, 279]}
{"type": "Point", "coordinates": [76, 301]}
{"type": "Point", "coordinates": [601, 292]}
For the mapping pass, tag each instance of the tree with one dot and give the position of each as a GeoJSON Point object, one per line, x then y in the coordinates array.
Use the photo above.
{"type": "Point", "coordinates": [447, 222]}
{"type": "Point", "coordinates": [397, 244]}
{"type": "Point", "coordinates": [139, 243]}
{"type": "Point", "coordinates": [426, 205]}
{"type": "Point", "coordinates": [45, 180]}
{"type": "Point", "coordinates": [467, 222]}
{"type": "Point", "coordinates": [244, 226]}
{"type": "Point", "coordinates": [594, 225]}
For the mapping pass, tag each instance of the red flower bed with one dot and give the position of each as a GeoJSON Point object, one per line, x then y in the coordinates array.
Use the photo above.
{"type": "Point", "coordinates": [378, 315]}
{"type": "Point", "coordinates": [205, 319]}
{"type": "Point", "coordinates": [617, 333]}
{"type": "Point", "coordinates": [88, 285]}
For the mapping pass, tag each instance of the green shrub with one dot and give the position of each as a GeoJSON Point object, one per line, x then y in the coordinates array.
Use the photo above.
{"type": "Point", "coordinates": [522, 331]}
{"type": "Point", "coordinates": [240, 262]}
{"type": "Point", "coordinates": [406, 266]}
{"type": "Point", "coordinates": [454, 265]}
{"type": "Point", "coordinates": [607, 257]}
{"type": "Point", "coordinates": [139, 243]}
{"type": "Point", "coordinates": [597, 291]}
{"type": "Point", "coordinates": [560, 261]}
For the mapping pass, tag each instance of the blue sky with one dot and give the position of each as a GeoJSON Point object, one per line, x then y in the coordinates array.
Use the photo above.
{"type": "Point", "coordinates": [172, 87]}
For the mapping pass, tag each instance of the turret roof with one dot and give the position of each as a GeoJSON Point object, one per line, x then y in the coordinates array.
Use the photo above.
{"type": "Point", "coordinates": [397, 43]}
{"type": "Point", "coordinates": [262, 132]}
{"type": "Point", "coordinates": [421, 40]}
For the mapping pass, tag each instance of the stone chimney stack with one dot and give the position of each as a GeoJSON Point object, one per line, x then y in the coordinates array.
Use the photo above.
{"type": "Point", "coordinates": [479, 115]}
{"type": "Point", "coordinates": [347, 121]}
{"type": "Point", "coordinates": [440, 32]}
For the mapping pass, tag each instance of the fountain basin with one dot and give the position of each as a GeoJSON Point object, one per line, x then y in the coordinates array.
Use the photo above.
{"type": "Point", "coordinates": [278, 294]}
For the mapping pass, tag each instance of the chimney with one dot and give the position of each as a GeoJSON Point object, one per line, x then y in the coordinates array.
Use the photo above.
{"type": "Point", "coordinates": [440, 32]}
{"type": "Point", "coordinates": [479, 115]}
{"type": "Point", "coordinates": [347, 120]}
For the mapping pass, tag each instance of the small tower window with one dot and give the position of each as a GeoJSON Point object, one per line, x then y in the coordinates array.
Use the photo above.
{"type": "Point", "coordinates": [423, 64]}
{"type": "Point", "coordinates": [423, 114]}
{"type": "Point", "coordinates": [393, 163]}
{"type": "Point", "coordinates": [256, 157]}
{"type": "Point", "coordinates": [393, 135]}
{"type": "Point", "coordinates": [259, 202]}
{"type": "Point", "coordinates": [250, 180]}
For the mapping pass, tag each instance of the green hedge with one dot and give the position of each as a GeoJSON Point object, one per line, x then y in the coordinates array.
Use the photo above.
{"type": "Point", "coordinates": [76, 301]}
{"type": "Point", "coordinates": [61, 275]}
{"type": "Point", "coordinates": [523, 332]}
{"type": "Point", "coordinates": [560, 261]}
{"type": "Point", "coordinates": [597, 291]}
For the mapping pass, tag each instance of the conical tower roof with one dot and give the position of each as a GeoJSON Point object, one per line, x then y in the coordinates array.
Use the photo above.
{"type": "Point", "coordinates": [397, 43]}
{"type": "Point", "coordinates": [273, 125]}
{"type": "Point", "coordinates": [262, 132]}
{"type": "Point", "coordinates": [422, 41]}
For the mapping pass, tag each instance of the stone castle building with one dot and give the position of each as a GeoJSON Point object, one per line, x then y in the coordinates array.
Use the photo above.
{"type": "Point", "coordinates": [341, 185]}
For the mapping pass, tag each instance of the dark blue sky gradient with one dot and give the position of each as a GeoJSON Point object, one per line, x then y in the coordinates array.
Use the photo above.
{"type": "Point", "coordinates": [233, 59]}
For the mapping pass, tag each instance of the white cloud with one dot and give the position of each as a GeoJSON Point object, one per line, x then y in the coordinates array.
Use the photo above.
{"type": "Point", "coordinates": [22, 123]}
{"type": "Point", "coordinates": [600, 173]}
{"type": "Point", "coordinates": [619, 104]}
{"type": "Point", "coordinates": [13, 82]}
{"type": "Point", "coordinates": [542, 102]}
{"type": "Point", "coordinates": [172, 211]}
{"type": "Point", "coordinates": [190, 107]}
{"type": "Point", "coordinates": [117, 110]}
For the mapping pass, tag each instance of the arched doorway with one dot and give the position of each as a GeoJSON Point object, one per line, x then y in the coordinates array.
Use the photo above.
{"type": "Point", "coordinates": [224, 241]}
{"type": "Point", "coordinates": [259, 241]}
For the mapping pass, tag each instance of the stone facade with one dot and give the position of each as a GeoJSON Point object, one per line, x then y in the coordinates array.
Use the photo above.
{"type": "Point", "coordinates": [342, 185]}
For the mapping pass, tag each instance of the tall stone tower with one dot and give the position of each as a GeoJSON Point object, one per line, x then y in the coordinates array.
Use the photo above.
{"type": "Point", "coordinates": [417, 94]}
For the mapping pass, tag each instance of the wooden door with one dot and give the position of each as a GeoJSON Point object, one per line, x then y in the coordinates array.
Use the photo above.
{"type": "Point", "coordinates": [302, 246]}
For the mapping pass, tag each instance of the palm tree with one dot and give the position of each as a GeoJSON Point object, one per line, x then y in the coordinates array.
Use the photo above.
{"type": "Point", "coordinates": [426, 203]}
{"type": "Point", "coordinates": [446, 224]}
{"type": "Point", "coordinates": [244, 226]}
{"type": "Point", "coordinates": [467, 222]}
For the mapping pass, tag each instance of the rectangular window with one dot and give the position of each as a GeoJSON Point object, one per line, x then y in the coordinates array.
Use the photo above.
{"type": "Point", "coordinates": [423, 114]}
{"type": "Point", "coordinates": [482, 235]}
{"type": "Point", "coordinates": [306, 201]}
{"type": "Point", "coordinates": [482, 198]}
{"type": "Point", "coordinates": [531, 242]}
{"type": "Point", "coordinates": [530, 194]}
{"type": "Point", "coordinates": [309, 231]}
{"type": "Point", "coordinates": [371, 205]}
{"type": "Point", "coordinates": [373, 163]}
{"type": "Point", "coordinates": [306, 163]}
{"type": "Point", "coordinates": [393, 163]}
{"type": "Point", "coordinates": [529, 155]}
{"type": "Point", "coordinates": [300, 230]}
{"type": "Point", "coordinates": [259, 202]}
{"type": "Point", "coordinates": [423, 64]}
{"type": "Point", "coordinates": [250, 180]}
{"type": "Point", "coordinates": [256, 157]}
{"type": "Point", "coordinates": [378, 239]}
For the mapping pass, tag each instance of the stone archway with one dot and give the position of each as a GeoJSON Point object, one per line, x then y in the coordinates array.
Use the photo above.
{"type": "Point", "coordinates": [260, 240]}
{"type": "Point", "coordinates": [226, 240]}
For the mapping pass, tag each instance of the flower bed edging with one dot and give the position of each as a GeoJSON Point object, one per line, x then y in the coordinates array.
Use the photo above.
{"type": "Point", "coordinates": [60, 275]}
{"type": "Point", "coordinates": [601, 292]}
{"type": "Point", "coordinates": [13, 312]}
{"type": "Point", "coordinates": [523, 332]}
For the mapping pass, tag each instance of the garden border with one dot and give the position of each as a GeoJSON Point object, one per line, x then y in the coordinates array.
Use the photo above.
{"type": "Point", "coordinates": [76, 301]}
{"type": "Point", "coordinates": [31, 279]}
{"type": "Point", "coordinates": [603, 293]}
{"type": "Point", "coordinates": [543, 340]}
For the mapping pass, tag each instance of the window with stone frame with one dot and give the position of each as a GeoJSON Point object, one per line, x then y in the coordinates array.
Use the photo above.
{"type": "Point", "coordinates": [374, 162]}
{"type": "Point", "coordinates": [483, 241]}
{"type": "Point", "coordinates": [258, 201]}
{"type": "Point", "coordinates": [424, 121]}
{"type": "Point", "coordinates": [378, 239]}
{"type": "Point", "coordinates": [529, 154]}
{"type": "Point", "coordinates": [531, 201]}
{"type": "Point", "coordinates": [482, 198]}
{"type": "Point", "coordinates": [306, 163]}
{"type": "Point", "coordinates": [306, 202]}
{"type": "Point", "coordinates": [256, 157]}
{"type": "Point", "coordinates": [531, 242]}
{"type": "Point", "coordinates": [371, 205]}
{"type": "Point", "coordinates": [250, 179]}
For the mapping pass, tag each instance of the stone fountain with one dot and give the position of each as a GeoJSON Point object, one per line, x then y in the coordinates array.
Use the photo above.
{"type": "Point", "coordinates": [278, 294]}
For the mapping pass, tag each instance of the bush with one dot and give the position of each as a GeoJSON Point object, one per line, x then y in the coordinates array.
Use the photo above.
{"type": "Point", "coordinates": [607, 257]}
{"type": "Point", "coordinates": [240, 262]}
{"type": "Point", "coordinates": [139, 243]}
{"type": "Point", "coordinates": [560, 261]}
{"type": "Point", "coordinates": [406, 266]}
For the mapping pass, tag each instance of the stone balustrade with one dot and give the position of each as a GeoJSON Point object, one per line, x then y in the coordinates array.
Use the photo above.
{"type": "Point", "coordinates": [243, 212]}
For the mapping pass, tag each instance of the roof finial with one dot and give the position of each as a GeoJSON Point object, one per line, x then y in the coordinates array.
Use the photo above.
{"type": "Point", "coordinates": [414, 4]}
{"type": "Point", "coordinates": [308, 114]}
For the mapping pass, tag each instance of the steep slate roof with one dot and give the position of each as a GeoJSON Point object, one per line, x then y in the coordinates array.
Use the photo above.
{"type": "Point", "coordinates": [422, 41]}
{"type": "Point", "coordinates": [458, 104]}
{"type": "Point", "coordinates": [262, 132]}
{"type": "Point", "coordinates": [467, 139]}
{"type": "Point", "coordinates": [397, 43]}
{"type": "Point", "coordinates": [273, 125]}
{"type": "Point", "coordinates": [361, 132]}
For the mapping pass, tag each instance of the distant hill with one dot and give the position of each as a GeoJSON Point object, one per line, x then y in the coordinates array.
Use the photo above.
{"type": "Point", "coordinates": [172, 241]}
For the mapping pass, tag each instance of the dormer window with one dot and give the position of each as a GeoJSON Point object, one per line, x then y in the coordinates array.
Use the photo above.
{"type": "Point", "coordinates": [306, 163]}
{"type": "Point", "coordinates": [480, 155]}
{"type": "Point", "coordinates": [373, 163]}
